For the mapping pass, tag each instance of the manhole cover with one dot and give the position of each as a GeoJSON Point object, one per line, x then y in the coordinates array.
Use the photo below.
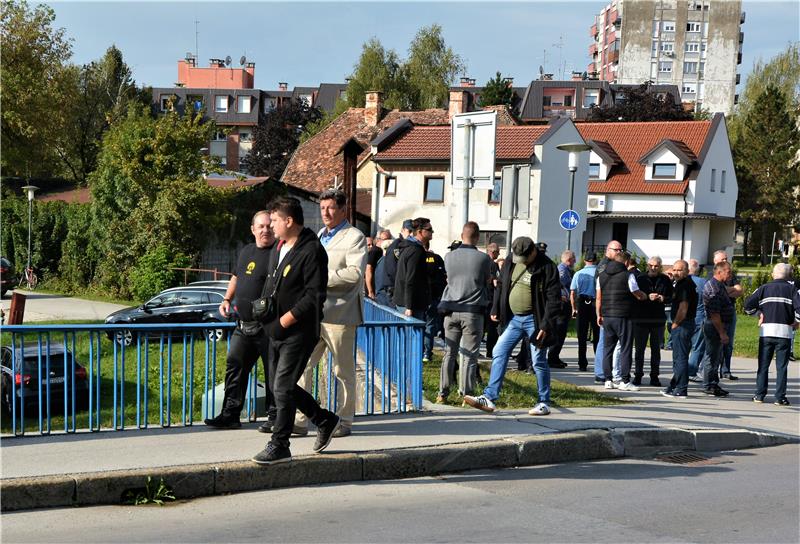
{"type": "Point", "coordinates": [687, 458]}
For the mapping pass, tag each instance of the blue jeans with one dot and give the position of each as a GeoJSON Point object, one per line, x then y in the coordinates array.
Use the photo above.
{"type": "Point", "coordinates": [681, 345]}
{"type": "Point", "coordinates": [698, 349]}
{"type": "Point", "coordinates": [598, 359]}
{"type": "Point", "coordinates": [767, 345]}
{"type": "Point", "coordinates": [520, 326]}
{"type": "Point", "coordinates": [433, 324]}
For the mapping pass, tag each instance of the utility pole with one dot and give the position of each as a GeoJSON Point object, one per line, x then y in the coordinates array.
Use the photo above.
{"type": "Point", "coordinates": [467, 166]}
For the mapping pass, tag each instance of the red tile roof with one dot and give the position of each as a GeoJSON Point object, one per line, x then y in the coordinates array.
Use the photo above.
{"type": "Point", "coordinates": [433, 143]}
{"type": "Point", "coordinates": [631, 141]}
{"type": "Point", "coordinates": [315, 165]}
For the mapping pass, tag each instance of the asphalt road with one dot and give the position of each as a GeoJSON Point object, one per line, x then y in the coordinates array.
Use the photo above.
{"type": "Point", "coordinates": [46, 307]}
{"type": "Point", "coordinates": [745, 496]}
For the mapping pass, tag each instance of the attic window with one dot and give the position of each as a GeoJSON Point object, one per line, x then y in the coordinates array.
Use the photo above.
{"type": "Point", "coordinates": [664, 171]}
{"type": "Point", "coordinates": [594, 170]}
{"type": "Point", "coordinates": [390, 189]}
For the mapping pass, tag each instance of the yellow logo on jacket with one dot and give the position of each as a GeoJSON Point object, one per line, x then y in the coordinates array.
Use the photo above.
{"type": "Point", "coordinates": [286, 270]}
{"type": "Point", "coordinates": [250, 267]}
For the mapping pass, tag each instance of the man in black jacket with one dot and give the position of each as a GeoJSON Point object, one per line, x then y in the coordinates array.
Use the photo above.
{"type": "Point", "coordinates": [385, 293]}
{"type": "Point", "coordinates": [648, 319]}
{"type": "Point", "coordinates": [527, 302]}
{"type": "Point", "coordinates": [298, 279]}
{"type": "Point", "coordinates": [249, 341]}
{"type": "Point", "coordinates": [412, 290]}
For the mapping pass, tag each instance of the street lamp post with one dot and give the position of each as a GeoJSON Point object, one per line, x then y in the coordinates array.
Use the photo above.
{"type": "Point", "coordinates": [29, 189]}
{"type": "Point", "coordinates": [574, 150]}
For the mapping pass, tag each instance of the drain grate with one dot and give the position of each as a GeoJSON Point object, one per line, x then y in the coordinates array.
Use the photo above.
{"type": "Point", "coordinates": [686, 458]}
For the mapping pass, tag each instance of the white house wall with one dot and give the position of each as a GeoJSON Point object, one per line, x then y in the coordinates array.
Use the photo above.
{"type": "Point", "coordinates": [644, 203]}
{"type": "Point", "coordinates": [718, 158]}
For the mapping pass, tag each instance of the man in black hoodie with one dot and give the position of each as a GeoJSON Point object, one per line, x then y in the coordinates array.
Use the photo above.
{"type": "Point", "coordinates": [298, 284]}
{"type": "Point", "coordinates": [527, 303]}
{"type": "Point", "coordinates": [412, 290]}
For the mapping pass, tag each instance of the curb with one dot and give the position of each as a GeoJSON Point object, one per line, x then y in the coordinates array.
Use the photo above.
{"type": "Point", "coordinates": [202, 480]}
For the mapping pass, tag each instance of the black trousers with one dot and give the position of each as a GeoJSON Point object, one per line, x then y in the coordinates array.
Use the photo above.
{"type": "Point", "coordinates": [554, 351]}
{"type": "Point", "coordinates": [492, 334]}
{"type": "Point", "coordinates": [642, 332]}
{"type": "Point", "coordinates": [242, 356]}
{"type": "Point", "coordinates": [617, 329]}
{"type": "Point", "coordinates": [288, 359]}
{"type": "Point", "coordinates": [586, 321]}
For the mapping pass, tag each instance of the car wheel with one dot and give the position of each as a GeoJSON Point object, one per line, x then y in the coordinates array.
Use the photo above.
{"type": "Point", "coordinates": [124, 337]}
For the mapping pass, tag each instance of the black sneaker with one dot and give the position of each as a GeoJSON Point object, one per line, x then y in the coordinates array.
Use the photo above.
{"type": "Point", "coordinates": [720, 392]}
{"type": "Point", "coordinates": [325, 433]}
{"type": "Point", "coordinates": [557, 364]}
{"type": "Point", "coordinates": [266, 427]}
{"type": "Point", "coordinates": [782, 402]}
{"type": "Point", "coordinates": [729, 376]}
{"type": "Point", "coordinates": [224, 422]}
{"type": "Point", "coordinates": [637, 380]}
{"type": "Point", "coordinates": [655, 382]}
{"type": "Point", "coordinates": [599, 380]}
{"type": "Point", "coordinates": [758, 399]}
{"type": "Point", "coordinates": [272, 454]}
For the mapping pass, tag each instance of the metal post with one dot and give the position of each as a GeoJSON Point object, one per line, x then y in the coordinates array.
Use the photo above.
{"type": "Point", "coordinates": [771, 249]}
{"type": "Point", "coordinates": [571, 194]}
{"type": "Point", "coordinates": [514, 210]}
{"type": "Point", "coordinates": [30, 208]}
{"type": "Point", "coordinates": [467, 173]}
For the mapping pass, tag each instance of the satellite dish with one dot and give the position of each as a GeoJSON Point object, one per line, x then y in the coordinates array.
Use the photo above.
{"type": "Point", "coordinates": [242, 60]}
{"type": "Point", "coordinates": [228, 60]}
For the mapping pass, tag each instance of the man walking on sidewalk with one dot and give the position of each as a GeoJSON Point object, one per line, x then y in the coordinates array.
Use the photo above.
{"type": "Point", "coordinates": [684, 309]}
{"type": "Point", "coordinates": [346, 249]}
{"type": "Point", "coordinates": [249, 341]}
{"type": "Point", "coordinates": [298, 282]}
{"type": "Point", "coordinates": [778, 302]}
{"type": "Point", "coordinates": [719, 315]}
{"type": "Point", "coordinates": [581, 294]}
{"type": "Point", "coordinates": [464, 304]}
{"type": "Point", "coordinates": [528, 301]}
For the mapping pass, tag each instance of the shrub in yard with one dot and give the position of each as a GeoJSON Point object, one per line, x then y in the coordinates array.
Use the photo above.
{"type": "Point", "coordinates": [152, 273]}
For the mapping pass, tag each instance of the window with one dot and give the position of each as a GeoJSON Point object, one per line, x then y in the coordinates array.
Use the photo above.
{"type": "Point", "coordinates": [306, 98]}
{"type": "Point", "coordinates": [654, 50]}
{"type": "Point", "coordinates": [689, 88]}
{"type": "Point", "coordinates": [568, 101]}
{"type": "Point", "coordinates": [692, 47]}
{"type": "Point", "coordinates": [220, 136]}
{"type": "Point", "coordinates": [192, 297]}
{"type": "Point", "coordinates": [620, 98]}
{"type": "Point", "coordinates": [196, 102]}
{"type": "Point", "coordinates": [594, 170]}
{"type": "Point", "coordinates": [494, 194]}
{"type": "Point", "coordinates": [270, 104]}
{"type": "Point", "coordinates": [243, 104]}
{"type": "Point", "coordinates": [667, 47]}
{"type": "Point", "coordinates": [689, 67]}
{"type": "Point", "coordinates": [665, 66]}
{"type": "Point", "coordinates": [390, 186]}
{"type": "Point", "coordinates": [547, 100]}
{"type": "Point", "coordinates": [434, 189]}
{"type": "Point", "coordinates": [693, 27]}
{"type": "Point", "coordinates": [221, 104]}
{"type": "Point", "coordinates": [666, 171]}
{"type": "Point", "coordinates": [655, 29]}
{"type": "Point", "coordinates": [722, 182]}
{"type": "Point", "coordinates": [668, 26]}
{"type": "Point", "coordinates": [661, 231]}
{"type": "Point", "coordinates": [487, 237]}
{"type": "Point", "coordinates": [167, 102]}
{"type": "Point", "coordinates": [245, 136]}
{"type": "Point", "coordinates": [591, 97]}
{"type": "Point", "coordinates": [713, 180]}
{"type": "Point", "coordinates": [213, 298]}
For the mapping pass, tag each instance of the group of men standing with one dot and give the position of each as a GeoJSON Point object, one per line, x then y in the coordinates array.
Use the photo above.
{"type": "Point", "coordinates": [313, 284]}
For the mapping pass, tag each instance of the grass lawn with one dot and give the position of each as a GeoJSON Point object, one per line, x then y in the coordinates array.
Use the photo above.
{"type": "Point", "coordinates": [519, 389]}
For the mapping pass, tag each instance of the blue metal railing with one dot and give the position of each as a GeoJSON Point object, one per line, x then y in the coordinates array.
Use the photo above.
{"type": "Point", "coordinates": [103, 369]}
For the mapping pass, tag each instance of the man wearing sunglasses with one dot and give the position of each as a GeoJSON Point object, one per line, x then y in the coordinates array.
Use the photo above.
{"type": "Point", "coordinates": [412, 290]}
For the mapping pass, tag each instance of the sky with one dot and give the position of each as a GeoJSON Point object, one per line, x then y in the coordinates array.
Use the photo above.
{"type": "Point", "coordinates": [307, 43]}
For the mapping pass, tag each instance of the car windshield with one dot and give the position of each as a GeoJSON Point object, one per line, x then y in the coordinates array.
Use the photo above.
{"type": "Point", "coordinates": [31, 363]}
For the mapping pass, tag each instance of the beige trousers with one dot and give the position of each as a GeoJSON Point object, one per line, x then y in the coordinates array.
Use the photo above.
{"type": "Point", "coordinates": [340, 341]}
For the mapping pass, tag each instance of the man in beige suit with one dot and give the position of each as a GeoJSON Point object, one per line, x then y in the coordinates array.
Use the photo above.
{"type": "Point", "coordinates": [342, 313]}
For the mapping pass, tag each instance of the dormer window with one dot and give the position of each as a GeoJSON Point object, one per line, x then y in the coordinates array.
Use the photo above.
{"type": "Point", "coordinates": [594, 170]}
{"type": "Point", "coordinates": [664, 171]}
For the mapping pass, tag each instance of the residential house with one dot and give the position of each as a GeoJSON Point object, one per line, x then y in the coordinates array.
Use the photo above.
{"type": "Point", "coordinates": [661, 188]}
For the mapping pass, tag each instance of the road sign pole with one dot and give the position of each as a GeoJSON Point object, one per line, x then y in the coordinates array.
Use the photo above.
{"type": "Point", "coordinates": [514, 210]}
{"type": "Point", "coordinates": [467, 164]}
{"type": "Point", "coordinates": [571, 194]}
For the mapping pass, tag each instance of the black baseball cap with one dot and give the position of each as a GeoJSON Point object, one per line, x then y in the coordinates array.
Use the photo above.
{"type": "Point", "coordinates": [521, 249]}
{"type": "Point", "coordinates": [590, 257]}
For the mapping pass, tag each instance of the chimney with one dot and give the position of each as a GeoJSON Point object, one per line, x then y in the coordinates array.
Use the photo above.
{"type": "Point", "coordinates": [283, 86]}
{"type": "Point", "coordinates": [459, 102]}
{"type": "Point", "coordinates": [577, 76]}
{"type": "Point", "coordinates": [374, 108]}
{"type": "Point", "coordinates": [509, 81]}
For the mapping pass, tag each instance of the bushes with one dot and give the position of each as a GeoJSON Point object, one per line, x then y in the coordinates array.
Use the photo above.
{"type": "Point", "coordinates": [152, 273]}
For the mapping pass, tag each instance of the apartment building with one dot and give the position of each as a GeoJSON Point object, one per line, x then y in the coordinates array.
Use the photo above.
{"type": "Point", "coordinates": [693, 44]}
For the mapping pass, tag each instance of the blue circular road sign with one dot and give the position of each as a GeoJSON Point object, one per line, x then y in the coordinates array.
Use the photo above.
{"type": "Point", "coordinates": [569, 219]}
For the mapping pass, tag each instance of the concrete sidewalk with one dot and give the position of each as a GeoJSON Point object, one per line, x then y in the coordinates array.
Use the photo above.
{"type": "Point", "coordinates": [462, 438]}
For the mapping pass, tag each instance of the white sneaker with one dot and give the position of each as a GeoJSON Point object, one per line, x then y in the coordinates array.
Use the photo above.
{"type": "Point", "coordinates": [481, 403]}
{"type": "Point", "coordinates": [609, 384]}
{"type": "Point", "coordinates": [627, 387]}
{"type": "Point", "coordinates": [541, 409]}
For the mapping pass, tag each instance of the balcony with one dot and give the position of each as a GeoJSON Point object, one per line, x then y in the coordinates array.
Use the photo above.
{"type": "Point", "coordinates": [612, 56]}
{"type": "Point", "coordinates": [558, 111]}
{"type": "Point", "coordinates": [593, 50]}
{"type": "Point", "coordinates": [741, 37]}
{"type": "Point", "coordinates": [742, 18]}
{"type": "Point", "coordinates": [738, 78]}
{"type": "Point", "coordinates": [593, 30]}
{"type": "Point", "coordinates": [739, 58]}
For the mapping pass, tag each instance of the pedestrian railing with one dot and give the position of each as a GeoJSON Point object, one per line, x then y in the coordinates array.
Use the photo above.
{"type": "Point", "coordinates": [114, 377]}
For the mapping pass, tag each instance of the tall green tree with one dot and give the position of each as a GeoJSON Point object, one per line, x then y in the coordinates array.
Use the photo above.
{"type": "Point", "coordinates": [767, 169]}
{"type": "Point", "coordinates": [432, 67]}
{"type": "Point", "coordinates": [35, 77]}
{"type": "Point", "coordinates": [642, 104]}
{"type": "Point", "coordinates": [497, 92]}
{"type": "Point", "coordinates": [149, 194]}
{"type": "Point", "coordinates": [377, 69]}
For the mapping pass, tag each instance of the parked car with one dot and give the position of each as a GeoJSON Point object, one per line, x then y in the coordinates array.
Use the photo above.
{"type": "Point", "coordinates": [27, 377]}
{"type": "Point", "coordinates": [8, 280]}
{"type": "Point", "coordinates": [188, 304]}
